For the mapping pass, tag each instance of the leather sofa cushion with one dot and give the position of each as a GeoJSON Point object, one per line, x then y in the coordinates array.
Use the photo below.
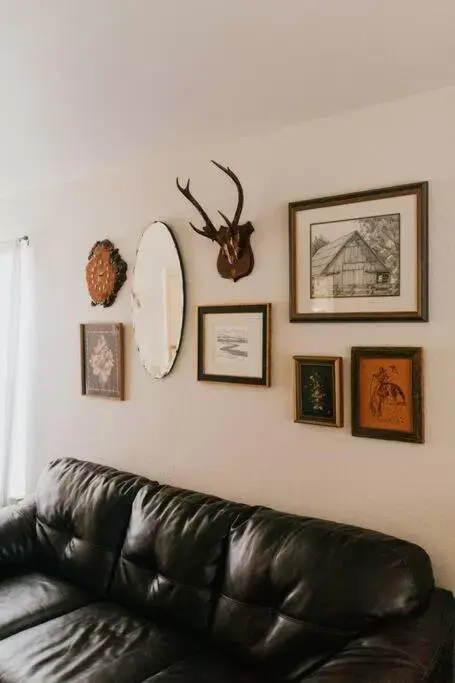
{"type": "Point", "coordinates": [31, 599]}
{"type": "Point", "coordinates": [208, 668]}
{"type": "Point", "coordinates": [97, 643]}
{"type": "Point", "coordinates": [172, 562]}
{"type": "Point", "coordinates": [82, 513]}
{"type": "Point", "coordinates": [404, 650]}
{"type": "Point", "coordinates": [18, 538]}
{"type": "Point", "coordinates": [297, 590]}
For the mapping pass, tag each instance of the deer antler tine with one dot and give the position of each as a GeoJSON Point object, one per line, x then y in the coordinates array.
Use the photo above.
{"type": "Point", "coordinates": [220, 166]}
{"type": "Point", "coordinates": [203, 232]}
{"type": "Point", "coordinates": [209, 229]}
{"type": "Point", "coordinates": [231, 174]}
{"type": "Point", "coordinates": [224, 217]}
{"type": "Point", "coordinates": [181, 188]}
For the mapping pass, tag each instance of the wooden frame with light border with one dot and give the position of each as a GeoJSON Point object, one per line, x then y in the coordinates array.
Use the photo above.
{"type": "Point", "coordinates": [266, 311]}
{"type": "Point", "coordinates": [421, 313]}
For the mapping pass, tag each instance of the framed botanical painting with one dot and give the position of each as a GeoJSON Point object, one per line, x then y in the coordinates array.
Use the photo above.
{"type": "Point", "coordinates": [387, 393]}
{"type": "Point", "coordinates": [361, 256]}
{"type": "Point", "coordinates": [318, 389]}
{"type": "Point", "coordinates": [102, 367]}
{"type": "Point", "coordinates": [234, 344]}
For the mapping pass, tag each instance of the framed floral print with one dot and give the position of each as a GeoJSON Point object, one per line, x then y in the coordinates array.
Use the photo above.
{"type": "Point", "coordinates": [234, 344]}
{"type": "Point", "coordinates": [360, 257]}
{"type": "Point", "coordinates": [318, 390]}
{"type": "Point", "coordinates": [387, 393]}
{"type": "Point", "coordinates": [102, 365]}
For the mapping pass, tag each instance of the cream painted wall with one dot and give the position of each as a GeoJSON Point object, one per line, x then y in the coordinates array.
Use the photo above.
{"type": "Point", "coordinates": [241, 442]}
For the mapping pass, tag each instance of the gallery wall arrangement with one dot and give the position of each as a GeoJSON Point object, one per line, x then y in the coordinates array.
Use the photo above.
{"type": "Point", "coordinates": [355, 257]}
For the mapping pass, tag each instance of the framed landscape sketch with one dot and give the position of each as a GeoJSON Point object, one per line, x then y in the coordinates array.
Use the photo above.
{"type": "Point", "coordinates": [102, 367]}
{"type": "Point", "coordinates": [387, 393]}
{"type": "Point", "coordinates": [318, 390]}
{"type": "Point", "coordinates": [234, 344]}
{"type": "Point", "coordinates": [361, 256]}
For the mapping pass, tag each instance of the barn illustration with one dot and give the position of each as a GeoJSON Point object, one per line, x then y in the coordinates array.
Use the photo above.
{"type": "Point", "coordinates": [348, 267]}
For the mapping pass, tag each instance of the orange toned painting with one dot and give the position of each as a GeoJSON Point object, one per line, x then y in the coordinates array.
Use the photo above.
{"type": "Point", "coordinates": [385, 393]}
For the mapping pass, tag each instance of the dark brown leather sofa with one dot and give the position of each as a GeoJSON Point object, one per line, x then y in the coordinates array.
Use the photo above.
{"type": "Point", "coordinates": [110, 577]}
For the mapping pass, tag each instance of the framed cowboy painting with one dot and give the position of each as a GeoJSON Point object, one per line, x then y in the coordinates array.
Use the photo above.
{"type": "Point", "coordinates": [387, 393]}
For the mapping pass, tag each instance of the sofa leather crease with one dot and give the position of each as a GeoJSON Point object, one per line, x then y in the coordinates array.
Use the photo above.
{"type": "Point", "coordinates": [107, 576]}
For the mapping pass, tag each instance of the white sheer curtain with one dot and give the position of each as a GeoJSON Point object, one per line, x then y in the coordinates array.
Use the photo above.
{"type": "Point", "coordinates": [14, 366]}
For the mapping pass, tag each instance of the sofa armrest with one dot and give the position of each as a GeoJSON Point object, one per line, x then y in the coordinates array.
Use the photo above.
{"type": "Point", "coordinates": [415, 650]}
{"type": "Point", "coordinates": [17, 538]}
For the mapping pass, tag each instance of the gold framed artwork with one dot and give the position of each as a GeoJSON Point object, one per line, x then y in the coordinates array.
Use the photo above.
{"type": "Point", "coordinates": [318, 390]}
{"type": "Point", "coordinates": [360, 256]}
{"type": "Point", "coordinates": [387, 393]}
{"type": "Point", "coordinates": [234, 344]}
{"type": "Point", "coordinates": [102, 363]}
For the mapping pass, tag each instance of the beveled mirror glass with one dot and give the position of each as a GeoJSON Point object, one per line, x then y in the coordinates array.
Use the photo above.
{"type": "Point", "coordinates": [158, 300]}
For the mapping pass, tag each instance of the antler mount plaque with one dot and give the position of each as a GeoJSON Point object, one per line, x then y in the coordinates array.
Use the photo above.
{"type": "Point", "coordinates": [235, 258]}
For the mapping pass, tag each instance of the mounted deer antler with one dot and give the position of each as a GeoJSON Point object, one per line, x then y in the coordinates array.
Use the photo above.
{"type": "Point", "coordinates": [235, 259]}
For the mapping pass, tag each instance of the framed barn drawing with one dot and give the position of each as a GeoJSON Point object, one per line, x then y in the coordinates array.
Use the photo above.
{"type": "Point", "coordinates": [318, 390]}
{"type": "Point", "coordinates": [234, 344]}
{"type": "Point", "coordinates": [102, 366]}
{"type": "Point", "coordinates": [387, 393]}
{"type": "Point", "coordinates": [361, 256]}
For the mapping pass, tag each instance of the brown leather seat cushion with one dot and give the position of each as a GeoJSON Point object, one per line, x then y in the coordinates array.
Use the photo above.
{"type": "Point", "coordinates": [32, 599]}
{"type": "Point", "coordinates": [98, 643]}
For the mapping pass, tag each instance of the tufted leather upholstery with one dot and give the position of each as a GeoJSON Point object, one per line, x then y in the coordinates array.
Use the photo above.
{"type": "Point", "coordinates": [81, 517]}
{"type": "Point", "coordinates": [177, 581]}
{"type": "Point", "coordinates": [296, 589]}
{"type": "Point", "coordinates": [18, 538]}
{"type": "Point", "coordinates": [112, 577]}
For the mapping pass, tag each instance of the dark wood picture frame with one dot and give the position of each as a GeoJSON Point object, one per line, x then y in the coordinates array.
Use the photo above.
{"type": "Point", "coordinates": [265, 377]}
{"type": "Point", "coordinates": [415, 410]}
{"type": "Point", "coordinates": [335, 363]}
{"type": "Point", "coordinates": [421, 312]}
{"type": "Point", "coordinates": [117, 392]}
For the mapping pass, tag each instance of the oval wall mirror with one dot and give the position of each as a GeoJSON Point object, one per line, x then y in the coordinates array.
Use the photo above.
{"type": "Point", "coordinates": [158, 300]}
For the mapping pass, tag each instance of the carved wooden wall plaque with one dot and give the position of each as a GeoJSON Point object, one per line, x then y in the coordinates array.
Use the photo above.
{"type": "Point", "coordinates": [105, 273]}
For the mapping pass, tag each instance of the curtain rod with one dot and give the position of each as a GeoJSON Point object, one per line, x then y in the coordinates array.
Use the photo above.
{"type": "Point", "coordinates": [25, 239]}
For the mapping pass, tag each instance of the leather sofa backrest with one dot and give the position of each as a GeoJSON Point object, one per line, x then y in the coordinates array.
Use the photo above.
{"type": "Point", "coordinates": [172, 562]}
{"type": "Point", "coordinates": [276, 590]}
{"type": "Point", "coordinates": [82, 511]}
{"type": "Point", "coordinates": [298, 589]}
